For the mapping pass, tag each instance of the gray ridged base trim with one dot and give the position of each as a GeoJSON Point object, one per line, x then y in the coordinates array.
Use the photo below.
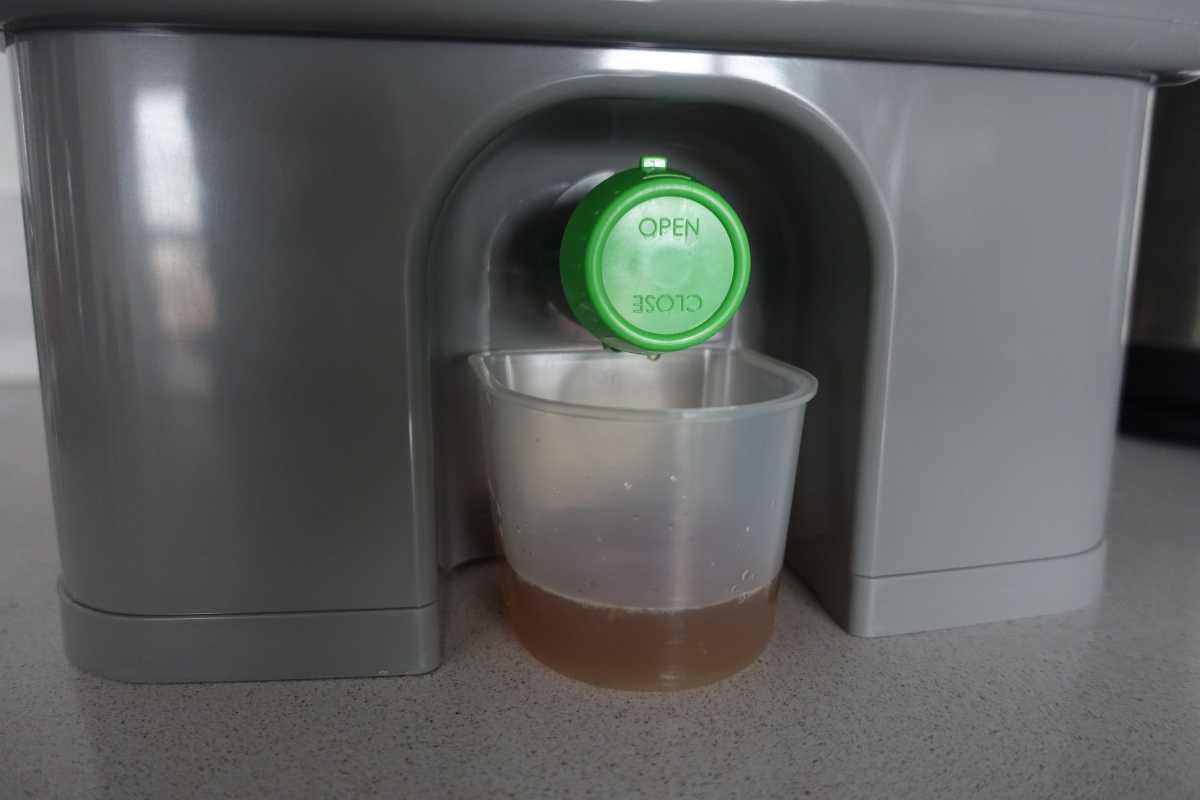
{"type": "Point", "coordinates": [250, 647]}
{"type": "Point", "coordinates": [950, 598]}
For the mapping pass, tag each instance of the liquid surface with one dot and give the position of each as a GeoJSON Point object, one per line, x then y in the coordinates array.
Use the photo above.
{"type": "Point", "coordinates": [621, 648]}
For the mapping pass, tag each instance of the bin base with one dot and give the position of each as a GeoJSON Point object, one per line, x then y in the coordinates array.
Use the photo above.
{"type": "Point", "coordinates": [950, 598]}
{"type": "Point", "coordinates": [250, 647]}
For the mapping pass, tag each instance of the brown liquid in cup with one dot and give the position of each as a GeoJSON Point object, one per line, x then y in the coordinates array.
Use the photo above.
{"type": "Point", "coordinates": [644, 649]}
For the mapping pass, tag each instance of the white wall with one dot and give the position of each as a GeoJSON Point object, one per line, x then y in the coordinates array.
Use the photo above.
{"type": "Point", "coordinates": [18, 361]}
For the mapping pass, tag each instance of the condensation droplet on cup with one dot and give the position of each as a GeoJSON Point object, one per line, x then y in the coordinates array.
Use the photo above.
{"type": "Point", "coordinates": [733, 589]}
{"type": "Point", "coordinates": [600, 540]}
{"type": "Point", "coordinates": [745, 574]}
{"type": "Point", "coordinates": [628, 486]}
{"type": "Point", "coordinates": [654, 356]}
{"type": "Point", "coordinates": [637, 516]}
{"type": "Point", "coordinates": [674, 479]}
{"type": "Point", "coordinates": [747, 529]}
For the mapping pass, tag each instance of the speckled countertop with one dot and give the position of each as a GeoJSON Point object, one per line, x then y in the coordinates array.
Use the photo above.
{"type": "Point", "coordinates": [1100, 703]}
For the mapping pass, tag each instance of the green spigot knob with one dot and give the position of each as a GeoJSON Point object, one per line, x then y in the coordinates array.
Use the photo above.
{"type": "Point", "coordinates": [653, 260]}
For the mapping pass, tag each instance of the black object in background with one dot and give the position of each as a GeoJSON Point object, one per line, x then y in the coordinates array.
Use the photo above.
{"type": "Point", "coordinates": [1161, 395]}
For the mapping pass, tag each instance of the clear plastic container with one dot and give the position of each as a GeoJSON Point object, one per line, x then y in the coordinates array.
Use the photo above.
{"type": "Point", "coordinates": [642, 506]}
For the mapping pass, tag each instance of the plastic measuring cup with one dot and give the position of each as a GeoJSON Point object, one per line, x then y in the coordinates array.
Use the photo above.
{"type": "Point", "coordinates": [642, 506]}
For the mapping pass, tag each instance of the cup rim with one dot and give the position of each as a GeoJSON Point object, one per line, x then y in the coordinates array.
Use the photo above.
{"type": "Point", "coordinates": [804, 387]}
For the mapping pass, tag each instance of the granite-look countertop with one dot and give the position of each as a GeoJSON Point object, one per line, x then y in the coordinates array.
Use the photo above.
{"type": "Point", "coordinates": [1099, 703]}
